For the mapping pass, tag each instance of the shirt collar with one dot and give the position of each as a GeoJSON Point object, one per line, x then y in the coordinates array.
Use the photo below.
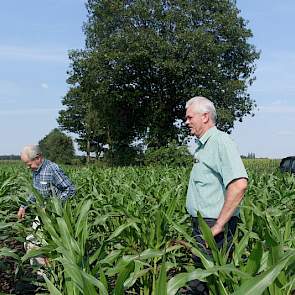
{"type": "Point", "coordinates": [211, 131]}
{"type": "Point", "coordinates": [39, 168]}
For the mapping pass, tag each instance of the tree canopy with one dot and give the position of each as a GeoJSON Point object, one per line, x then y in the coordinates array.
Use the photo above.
{"type": "Point", "coordinates": [144, 59]}
{"type": "Point", "coordinates": [57, 147]}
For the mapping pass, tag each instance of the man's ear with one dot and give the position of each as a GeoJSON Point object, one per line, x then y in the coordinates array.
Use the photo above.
{"type": "Point", "coordinates": [205, 117]}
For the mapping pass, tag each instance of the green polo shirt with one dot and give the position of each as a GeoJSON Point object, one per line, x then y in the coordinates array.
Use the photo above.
{"type": "Point", "coordinates": [217, 163]}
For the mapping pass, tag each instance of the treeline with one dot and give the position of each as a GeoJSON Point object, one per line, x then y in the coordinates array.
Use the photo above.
{"type": "Point", "coordinates": [9, 157]}
{"type": "Point", "coordinates": [58, 147]}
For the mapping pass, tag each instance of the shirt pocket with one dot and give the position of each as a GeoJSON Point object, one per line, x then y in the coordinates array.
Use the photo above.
{"type": "Point", "coordinates": [200, 173]}
{"type": "Point", "coordinates": [45, 188]}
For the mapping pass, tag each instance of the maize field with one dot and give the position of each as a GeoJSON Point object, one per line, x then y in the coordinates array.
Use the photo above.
{"type": "Point", "coordinates": [127, 232]}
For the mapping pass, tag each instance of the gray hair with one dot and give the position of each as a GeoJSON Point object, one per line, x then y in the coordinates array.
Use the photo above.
{"type": "Point", "coordinates": [31, 151]}
{"type": "Point", "coordinates": [202, 105]}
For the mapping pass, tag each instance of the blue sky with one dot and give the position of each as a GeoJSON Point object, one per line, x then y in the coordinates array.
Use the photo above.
{"type": "Point", "coordinates": [34, 42]}
{"type": "Point", "coordinates": [35, 39]}
{"type": "Point", "coordinates": [271, 133]}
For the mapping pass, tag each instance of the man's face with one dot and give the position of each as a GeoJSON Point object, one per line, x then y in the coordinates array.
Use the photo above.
{"type": "Point", "coordinates": [32, 164]}
{"type": "Point", "coordinates": [196, 121]}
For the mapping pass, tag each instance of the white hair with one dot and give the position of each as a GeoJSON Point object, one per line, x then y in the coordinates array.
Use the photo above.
{"type": "Point", "coordinates": [31, 151]}
{"type": "Point", "coordinates": [202, 105]}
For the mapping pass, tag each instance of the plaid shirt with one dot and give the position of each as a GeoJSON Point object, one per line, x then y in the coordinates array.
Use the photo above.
{"type": "Point", "coordinates": [50, 181]}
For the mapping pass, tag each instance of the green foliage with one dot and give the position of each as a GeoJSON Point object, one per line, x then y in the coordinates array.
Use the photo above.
{"type": "Point", "coordinates": [144, 59]}
{"type": "Point", "coordinates": [127, 231]}
{"type": "Point", "coordinates": [262, 165]}
{"type": "Point", "coordinates": [172, 155]}
{"type": "Point", "coordinates": [82, 119]}
{"type": "Point", "coordinates": [57, 147]}
{"type": "Point", "coordinates": [122, 155]}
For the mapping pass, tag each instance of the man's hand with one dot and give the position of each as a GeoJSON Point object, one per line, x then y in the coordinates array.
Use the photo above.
{"type": "Point", "coordinates": [234, 194]}
{"type": "Point", "coordinates": [216, 229]}
{"type": "Point", "coordinates": [21, 213]}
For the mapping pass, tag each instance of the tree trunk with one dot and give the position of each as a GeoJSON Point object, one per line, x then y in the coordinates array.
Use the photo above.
{"type": "Point", "coordinates": [88, 151]}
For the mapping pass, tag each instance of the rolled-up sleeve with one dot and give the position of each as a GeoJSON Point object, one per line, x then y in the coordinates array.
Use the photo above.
{"type": "Point", "coordinates": [30, 200]}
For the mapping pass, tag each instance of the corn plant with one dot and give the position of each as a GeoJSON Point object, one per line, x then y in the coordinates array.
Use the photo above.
{"type": "Point", "coordinates": [127, 232]}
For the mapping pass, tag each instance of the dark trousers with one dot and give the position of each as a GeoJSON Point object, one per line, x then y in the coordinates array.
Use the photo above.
{"type": "Point", "coordinates": [220, 239]}
{"type": "Point", "coordinates": [196, 286]}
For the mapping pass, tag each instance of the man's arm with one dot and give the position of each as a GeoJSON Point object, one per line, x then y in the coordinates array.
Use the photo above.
{"type": "Point", "coordinates": [63, 184]}
{"type": "Point", "coordinates": [22, 209]}
{"type": "Point", "coordinates": [234, 194]}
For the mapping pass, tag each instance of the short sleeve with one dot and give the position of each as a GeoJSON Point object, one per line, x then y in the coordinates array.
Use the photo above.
{"type": "Point", "coordinates": [231, 164]}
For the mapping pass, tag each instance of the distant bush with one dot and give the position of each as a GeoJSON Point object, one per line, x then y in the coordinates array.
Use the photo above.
{"type": "Point", "coordinates": [172, 155]}
{"type": "Point", "coordinates": [57, 147]}
{"type": "Point", "coordinates": [122, 155]}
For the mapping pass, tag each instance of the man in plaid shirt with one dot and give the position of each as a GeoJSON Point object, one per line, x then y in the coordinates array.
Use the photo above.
{"type": "Point", "coordinates": [48, 178]}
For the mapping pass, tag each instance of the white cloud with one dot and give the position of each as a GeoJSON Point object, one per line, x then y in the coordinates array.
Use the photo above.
{"type": "Point", "coordinates": [8, 89]}
{"type": "Point", "coordinates": [277, 102]}
{"type": "Point", "coordinates": [286, 133]}
{"type": "Point", "coordinates": [33, 54]}
{"type": "Point", "coordinates": [285, 109]}
{"type": "Point", "coordinates": [32, 111]}
{"type": "Point", "coordinates": [6, 101]}
{"type": "Point", "coordinates": [44, 85]}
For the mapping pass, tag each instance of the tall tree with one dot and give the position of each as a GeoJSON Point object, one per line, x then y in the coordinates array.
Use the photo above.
{"type": "Point", "coordinates": [144, 59]}
{"type": "Point", "coordinates": [80, 116]}
{"type": "Point", "coordinates": [58, 147]}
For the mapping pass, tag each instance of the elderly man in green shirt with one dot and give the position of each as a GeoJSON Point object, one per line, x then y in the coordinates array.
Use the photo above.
{"type": "Point", "coordinates": [218, 178]}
